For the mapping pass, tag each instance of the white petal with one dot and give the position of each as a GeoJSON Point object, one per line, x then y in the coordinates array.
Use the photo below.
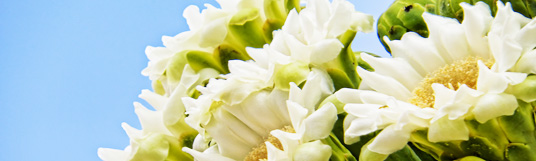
{"type": "Point", "coordinates": [214, 33]}
{"type": "Point", "coordinates": [448, 130]}
{"type": "Point", "coordinates": [396, 68]}
{"type": "Point", "coordinates": [362, 110]}
{"type": "Point", "coordinates": [319, 124]}
{"type": "Point", "coordinates": [389, 140]}
{"type": "Point", "coordinates": [526, 35]}
{"type": "Point", "coordinates": [347, 95]}
{"type": "Point", "coordinates": [358, 127]}
{"type": "Point", "coordinates": [494, 105]}
{"type": "Point", "coordinates": [289, 141]}
{"type": "Point", "coordinates": [151, 121]}
{"type": "Point", "coordinates": [313, 151]}
{"type": "Point", "coordinates": [107, 154]}
{"type": "Point", "coordinates": [234, 138]}
{"type": "Point", "coordinates": [476, 24]}
{"type": "Point", "coordinates": [339, 21]}
{"type": "Point", "coordinates": [199, 156]}
{"type": "Point", "coordinates": [297, 114]}
{"type": "Point", "coordinates": [156, 100]}
{"type": "Point", "coordinates": [325, 50]}
{"type": "Point", "coordinates": [420, 52]}
{"type": "Point", "coordinates": [488, 81]}
{"type": "Point", "coordinates": [384, 84]}
{"type": "Point", "coordinates": [132, 132]}
{"type": "Point", "coordinates": [452, 45]}
{"type": "Point", "coordinates": [274, 154]}
{"type": "Point", "coordinates": [526, 63]}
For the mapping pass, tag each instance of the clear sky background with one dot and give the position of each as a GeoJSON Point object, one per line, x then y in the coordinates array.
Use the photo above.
{"type": "Point", "coordinates": [70, 70]}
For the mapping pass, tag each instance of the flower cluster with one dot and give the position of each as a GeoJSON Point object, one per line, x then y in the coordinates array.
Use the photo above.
{"type": "Point", "coordinates": [277, 80]}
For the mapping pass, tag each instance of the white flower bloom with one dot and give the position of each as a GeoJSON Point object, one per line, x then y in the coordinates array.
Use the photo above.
{"type": "Point", "coordinates": [238, 122]}
{"type": "Point", "coordinates": [311, 35]}
{"type": "Point", "coordinates": [369, 111]}
{"type": "Point", "coordinates": [460, 70]}
{"type": "Point", "coordinates": [164, 130]}
{"type": "Point", "coordinates": [208, 29]}
{"type": "Point", "coordinates": [310, 124]}
{"type": "Point", "coordinates": [238, 112]}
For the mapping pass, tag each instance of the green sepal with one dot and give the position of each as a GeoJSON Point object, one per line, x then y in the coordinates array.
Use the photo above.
{"type": "Point", "coordinates": [404, 154]}
{"type": "Point", "coordinates": [333, 99]}
{"type": "Point", "coordinates": [368, 155]}
{"type": "Point", "coordinates": [519, 128]}
{"type": "Point", "coordinates": [158, 88]}
{"type": "Point", "coordinates": [482, 147]}
{"type": "Point", "coordinates": [355, 148]}
{"type": "Point", "coordinates": [175, 66]}
{"type": "Point", "coordinates": [525, 90]}
{"type": "Point", "coordinates": [199, 60]}
{"type": "Point", "coordinates": [160, 147]}
{"type": "Point", "coordinates": [275, 9]}
{"type": "Point", "coordinates": [340, 79]}
{"type": "Point", "coordinates": [438, 150]}
{"type": "Point", "coordinates": [225, 52]}
{"type": "Point", "coordinates": [362, 63]}
{"type": "Point", "coordinates": [293, 4]}
{"type": "Point", "coordinates": [292, 72]}
{"type": "Point", "coordinates": [339, 152]}
{"type": "Point", "coordinates": [246, 25]}
{"type": "Point", "coordinates": [270, 25]}
{"type": "Point", "coordinates": [520, 152]}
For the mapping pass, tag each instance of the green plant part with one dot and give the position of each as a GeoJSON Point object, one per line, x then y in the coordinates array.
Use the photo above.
{"type": "Point", "coordinates": [451, 8]}
{"type": "Point", "coordinates": [404, 16]}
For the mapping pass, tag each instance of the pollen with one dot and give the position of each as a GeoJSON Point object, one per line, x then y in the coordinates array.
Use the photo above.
{"type": "Point", "coordinates": [260, 153]}
{"type": "Point", "coordinates": [464, 71]}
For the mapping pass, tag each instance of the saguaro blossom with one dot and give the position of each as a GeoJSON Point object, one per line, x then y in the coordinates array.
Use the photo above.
{"type": "Point", "coordinates": [462, 71]}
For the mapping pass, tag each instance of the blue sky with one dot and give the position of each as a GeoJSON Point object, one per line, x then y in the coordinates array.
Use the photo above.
{"type": "Point", "coordinates": [71, 70]}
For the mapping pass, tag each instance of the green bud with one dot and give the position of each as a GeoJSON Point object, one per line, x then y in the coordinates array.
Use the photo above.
{"type": "Point", "coordinates": [404, 16]}
{"type": "Point", "coordinates": [452, 8]}
{"type": "Point", "coordinates": [292, 72]}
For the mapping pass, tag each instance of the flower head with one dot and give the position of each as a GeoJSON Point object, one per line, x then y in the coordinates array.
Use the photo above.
{"type": "Point", "coordinates": [460, 72]}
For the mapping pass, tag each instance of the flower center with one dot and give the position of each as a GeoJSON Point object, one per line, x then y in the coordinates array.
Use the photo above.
{"type": "Point", "coordinates": [464, 71]}
{"type": "Point", "coordinates": [260, 152]}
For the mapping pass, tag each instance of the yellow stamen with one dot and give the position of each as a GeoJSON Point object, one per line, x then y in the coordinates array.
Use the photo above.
{"type": "Point", "coordinates": [260, 152]}
{"type": "Point", "coordinates": [452, 76]}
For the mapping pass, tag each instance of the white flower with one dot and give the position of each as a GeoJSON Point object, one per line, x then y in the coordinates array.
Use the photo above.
{"type": "Point", "coordinates": [460, 70]}
{"type": "Point", "coordinates": [208, 29]}
{"type": "Point", "coordinates": [164, 131]}
{"type": "Point", "coordinates": [369, 111]}
{"type": "Point", "coordinates": [311, 35]}
{"type": "Point", "coordinates": [310, 124]}
{"type": "Point", "coordinates": [238, 122]}
{"type": "Point", "coordinates": [238, 112]}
